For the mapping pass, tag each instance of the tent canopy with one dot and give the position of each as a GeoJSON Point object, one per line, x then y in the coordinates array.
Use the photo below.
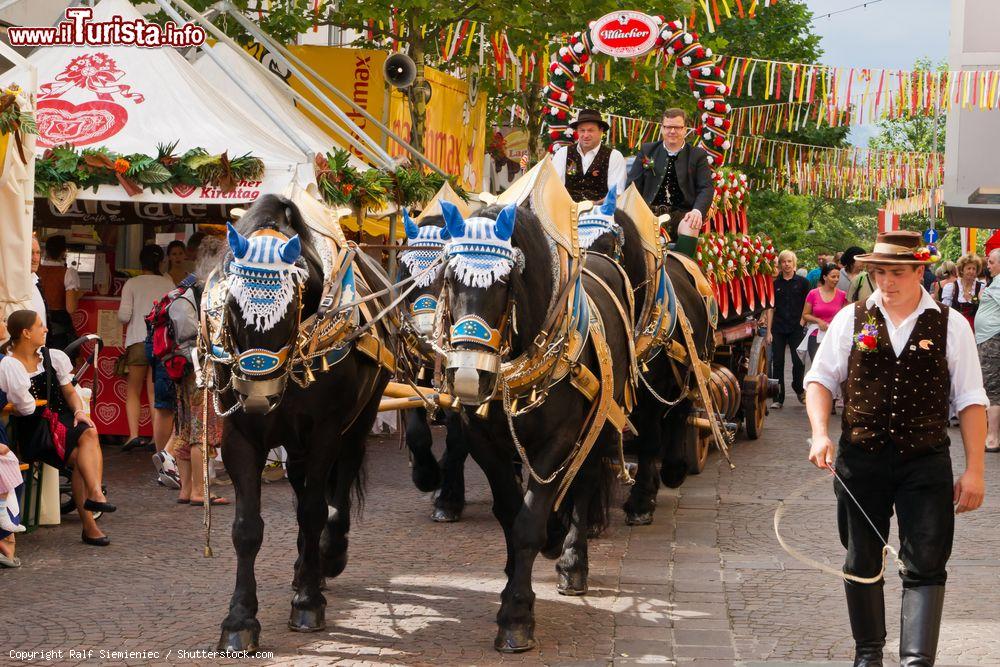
{"type": "Point", "coordinates": [270, 90]}
{"type": "Point", "coordinates": [129, 99]}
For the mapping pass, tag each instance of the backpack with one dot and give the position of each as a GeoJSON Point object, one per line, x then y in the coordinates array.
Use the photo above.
{"type": "Point", "coordinates": [163, 336]}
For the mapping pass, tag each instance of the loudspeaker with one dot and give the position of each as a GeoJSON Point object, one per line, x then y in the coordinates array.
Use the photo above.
{"type": "Point", "coordinates": [399, 70]}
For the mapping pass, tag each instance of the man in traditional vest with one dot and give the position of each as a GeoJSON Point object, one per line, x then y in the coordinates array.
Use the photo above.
{"type": "Point", "coordinates": [589, 168]}
{"type": "Point", "coordinates": [674, 178]}
{"type": "Point", "coordinates": [901, 362]}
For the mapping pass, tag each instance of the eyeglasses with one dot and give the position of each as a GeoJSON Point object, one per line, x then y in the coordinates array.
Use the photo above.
{"type": "Point", "coordinates": [673, 128]}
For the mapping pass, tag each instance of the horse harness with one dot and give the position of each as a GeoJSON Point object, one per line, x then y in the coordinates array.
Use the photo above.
{"type": "Point", "coordinates": [553, 356]}
{"type": "Point", "coordinates": [317, 343]}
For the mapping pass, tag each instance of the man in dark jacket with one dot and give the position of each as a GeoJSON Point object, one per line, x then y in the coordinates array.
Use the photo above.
{"type": "Point", "coordinates": [673, 177]}
{"type": "Point", "coordinates": [785, 326]}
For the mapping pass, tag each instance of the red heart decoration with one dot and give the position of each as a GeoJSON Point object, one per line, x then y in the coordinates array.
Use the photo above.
{"type": "Point", "coordinates": [183, 190]}
{"type": "Point", "coordinates": [61, 122]}
{"type": "Point", "coordinates": [107, 413]}
{"type": "Point", "coordinates": [80, 318]}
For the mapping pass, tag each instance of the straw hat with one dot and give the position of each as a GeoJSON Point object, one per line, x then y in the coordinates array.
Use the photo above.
{"type": "Point", "coordinates": [898, 247]}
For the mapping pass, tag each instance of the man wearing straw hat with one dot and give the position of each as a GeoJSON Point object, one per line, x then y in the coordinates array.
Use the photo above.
{"type": "Point", "coordinates": [901, 362]}
{"type": "Point", "coordinates": [589, 168]}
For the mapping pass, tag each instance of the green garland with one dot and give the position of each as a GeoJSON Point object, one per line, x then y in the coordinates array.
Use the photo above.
{"type": "Point", "coordinates": [341, 184]}
{"type": "Point", "coordinates": [90, 168]}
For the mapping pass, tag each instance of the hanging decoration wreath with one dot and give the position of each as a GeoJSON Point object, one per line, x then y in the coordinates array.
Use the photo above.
{"type": "Point", "coordinates": [62, 167]}
{"type": "Point", "coordinates": [705, 79]}
{"type": "Point", "coordinates": [341, 184]}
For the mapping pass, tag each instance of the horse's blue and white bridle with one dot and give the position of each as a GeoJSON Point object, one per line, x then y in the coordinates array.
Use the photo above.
{"type": "Point", "coordinates": [599, 221]}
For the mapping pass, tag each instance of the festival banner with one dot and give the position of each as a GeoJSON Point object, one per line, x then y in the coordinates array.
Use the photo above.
{"type": "Point", "coordinates": [356, 72]}
{"type": "Point", "coordinates": [455, 131]}
{"type": "Point", "coordinates": [864, 94]}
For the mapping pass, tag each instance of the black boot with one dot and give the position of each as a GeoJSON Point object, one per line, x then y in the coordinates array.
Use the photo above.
{"type": "Point", "coordinates": [920, 625]}
{"type": "Point", "coordinates": [866, 608]}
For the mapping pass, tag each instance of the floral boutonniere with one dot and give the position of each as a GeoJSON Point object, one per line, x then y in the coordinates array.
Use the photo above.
{"type": "Point", "coordinates": [867, 339]}
{"type": "Point", "coordinates": [648, 164]}
{"type": "Point", "coordinates": [571, 169]}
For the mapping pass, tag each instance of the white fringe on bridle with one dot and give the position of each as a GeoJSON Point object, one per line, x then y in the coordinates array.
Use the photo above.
{"type": "Point", "coordinates": [479, 258]}
{"type": "Point", "coordinates": [430, 245]}
{"type": "Point", "coordinates": [264, 294]}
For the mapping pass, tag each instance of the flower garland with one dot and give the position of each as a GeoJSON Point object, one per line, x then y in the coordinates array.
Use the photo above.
{"type": "Point", "coordinates": [728, 212]}
{"type": "Point", "coordinates": [341, 184]}
{"type": "Point", "coordinates": [740, 268]}
{"type": "Point", "coordinates": [65, 167]}
{"type": "Point", "coordinates": [705, 79]}
{"type": "Point", "coordinates": [14, 120]}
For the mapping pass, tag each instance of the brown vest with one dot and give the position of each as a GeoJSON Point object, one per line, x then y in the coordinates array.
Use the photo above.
{"type": "Point", "coordinates": [902, 401]}
{"type": "Point", "coordinates": [590, 185]}
{"type": "Point", "coordinates": [52, 285]}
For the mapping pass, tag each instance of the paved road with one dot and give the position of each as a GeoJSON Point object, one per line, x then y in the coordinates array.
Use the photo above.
{"type": "Point", "coordinates": [707, 584]}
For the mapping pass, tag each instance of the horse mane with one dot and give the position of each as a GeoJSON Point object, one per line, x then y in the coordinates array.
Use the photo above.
{"type": "Point", "coordinates": [633, 255]}
{"type": "Point", "coordinates": [632, 259]}
{"type": "Point", "coordinates": [533, 286]}
{"type": "Point", "coordinates": [282, 215]}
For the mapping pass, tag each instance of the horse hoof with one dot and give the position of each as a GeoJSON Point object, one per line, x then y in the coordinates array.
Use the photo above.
{"type": "Point", "coordinates": [441, 515]}
{"type": "Point", "coordinates": [638, 518]}
{"type": "Point", "coordinates": [232, 641]}
{"type": "Point", "coordinates": [306, 620]}
{"type": "Point", "coordinates": [572, 583]}
{"type": "Point", "coordinates": [673, 474]}
{"type": "Point", "coordinates": [516, 640]}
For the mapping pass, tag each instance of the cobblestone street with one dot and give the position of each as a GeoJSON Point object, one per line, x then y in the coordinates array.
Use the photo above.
{"type": "Point", "coordinates": [707, 584]}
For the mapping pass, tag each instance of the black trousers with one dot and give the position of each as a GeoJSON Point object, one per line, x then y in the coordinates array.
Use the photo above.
{"type": "Point", "coordinates": [779, 342]}
{"type": "Point", "coordinates": [920, 491]}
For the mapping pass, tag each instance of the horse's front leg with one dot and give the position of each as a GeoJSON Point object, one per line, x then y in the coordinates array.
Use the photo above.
{"type": "Point", "coordinates": [308, 604]}
{"type": "Point", "coordinates": [241, 629]}
{"type": "Point", "coordinates": [451, 501]}
{"type": "Point", "coordinates": [674, 464]}
{"type": "Point", "coordinates": [573, 566]}
{"type": "Point", "coordinates": [516, 618]}
{"type": "Point", "coordinates": [425, 472]}
{"type": "Point", "coordinates": [641, 502]}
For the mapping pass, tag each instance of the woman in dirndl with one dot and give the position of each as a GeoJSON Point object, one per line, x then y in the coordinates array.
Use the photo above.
{"type": "Point", "coordinates": [59, 433]}
{"type": "Point", "coordinates": [988, 341]}
{"type": "Point", "coordinates": [964, 294]}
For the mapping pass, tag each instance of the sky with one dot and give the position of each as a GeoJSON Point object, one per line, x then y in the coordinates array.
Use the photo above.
{"type": "Point", "coordinates": [889, 33]}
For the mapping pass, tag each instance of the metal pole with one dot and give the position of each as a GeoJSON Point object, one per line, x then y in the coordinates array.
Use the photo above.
{"type": "Point", "coordinates": [393, 221]}
{"type": "Point", "coordinates": [378, 156]}
{"type": "Point", "coordinates": [296, 139]}
{"type": "Point", "coordinates": [937, 163]}
{"type": "Point", "coordinates": [287, 55]}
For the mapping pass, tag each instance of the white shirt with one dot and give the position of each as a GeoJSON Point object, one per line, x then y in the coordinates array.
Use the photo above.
{"type": "Point", "coordinates": [616, 164]}
{"type": "Point", "coordinates": [138, 296]}
{"type": "Point", "coordinates": [829, 368]}
{"type": "Point", "coordinates": [15, 380]}
{"type": "Point", "coordinates": [949, 292]}
{"type": "Point", "coordinates": [37, 302]}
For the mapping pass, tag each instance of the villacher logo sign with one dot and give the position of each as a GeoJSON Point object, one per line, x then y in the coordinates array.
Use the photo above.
{"type": "Point", "coordinates": [80, 30]}
{"type": "Point", "coordinates": [624, 34]}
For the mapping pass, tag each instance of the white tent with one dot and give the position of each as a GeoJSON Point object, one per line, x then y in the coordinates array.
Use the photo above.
{"type": "Point", "coordinates": [130, 99]}
{"type": "Point", "coordinates": [270, 90]}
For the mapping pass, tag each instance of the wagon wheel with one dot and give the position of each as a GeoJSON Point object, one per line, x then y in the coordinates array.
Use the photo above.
{"type": "Point", "coordinates": [696, 445]}
{"type": "Point", "coordinates": [755, 401]}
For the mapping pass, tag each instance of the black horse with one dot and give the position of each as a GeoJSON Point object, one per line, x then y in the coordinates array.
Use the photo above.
{"type": "Point", "coordinates": [428, 474]}
{"type": "Point", "coordinates": [661, 424]}
{"type": "Point", "coordinates": [501, 281]}
{"type": "Point", "coordinates": [275, 283]}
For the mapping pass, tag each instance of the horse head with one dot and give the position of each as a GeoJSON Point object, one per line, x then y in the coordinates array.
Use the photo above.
{"type": "Point", "coordinates": [480, 259]}
{"type": "Point", "coordinates": [269, 274]}
{"type": "Point", "coordinates": [427, 242]}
